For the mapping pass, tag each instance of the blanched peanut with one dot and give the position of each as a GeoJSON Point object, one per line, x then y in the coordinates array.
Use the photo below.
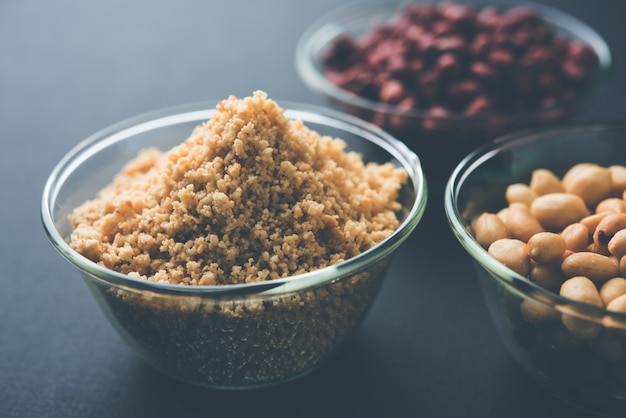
{"type": "Point", "coordinates": [618, 179]}
{"type": "Point", "coordinates": [581, 289]}
{"type": "Point", "coordinates": [512, 253]}
{"type": "Point", "coordinates": [520, 223]}
{"type": "Point", "coordinates": [554, 211]}
{"type": "Point", "coordinates": [576, 237]}
{"type": "Point", "coordinates": [605, 230]}
{"type": "Point", "coordinates": [612, 288]}
{"type": "Point", "coordinates": [548, 276]}
{"type": "Point", "coordinates": [544, 181]}
{"type": "Point", "coordinates": [596, 267]}
{"type": "Point", "coordinates": [611, 204]}
{"type": "Point", "coordinates": [589, 181]}
{"type": "Point", "coordinates": [617, 244]}
{"type": "Point", "coordinates": [489, 228]}
{"type": "Point", "coordinates": [520, 193]}
{"type": "Point", "coordinates": [546, 247]}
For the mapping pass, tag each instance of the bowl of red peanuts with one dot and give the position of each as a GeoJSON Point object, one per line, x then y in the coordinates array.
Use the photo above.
{"type": "Point", "coordinates": [542, 214]}
{"type": "Point", "coordinates": [446, 77]}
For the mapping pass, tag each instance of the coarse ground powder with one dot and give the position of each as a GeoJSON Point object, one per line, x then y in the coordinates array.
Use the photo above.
{"type": "Point", "coordinates": [249, 196]}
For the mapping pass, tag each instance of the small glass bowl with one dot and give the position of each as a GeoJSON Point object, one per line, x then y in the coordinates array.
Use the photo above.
{"type": "Point", "coordinates": [231, 336]}
{"type": "Point", "coordinates": [440, 141]}
{"type": "Point", "coordinates": [588, 373]}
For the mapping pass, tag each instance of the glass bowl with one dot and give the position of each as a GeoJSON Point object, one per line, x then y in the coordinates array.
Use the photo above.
{"type": "Point", "coordinates": [441, 139]}
{"type": "Point", "coordinates": [240, 335]}
{"type": "Point", "coordinates": [587, 371]}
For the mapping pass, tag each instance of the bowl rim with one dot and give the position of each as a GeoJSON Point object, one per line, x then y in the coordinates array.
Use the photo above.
{"type": "Point", "coordinates": [329, 25]}
{"type": "Point", "coordinates": [498, 271]}
{"type": "Point", "coordinates": [200, 112]}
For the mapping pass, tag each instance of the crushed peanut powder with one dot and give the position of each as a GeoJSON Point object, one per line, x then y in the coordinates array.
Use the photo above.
{"type": "Point", "coordinates": [250, 196]}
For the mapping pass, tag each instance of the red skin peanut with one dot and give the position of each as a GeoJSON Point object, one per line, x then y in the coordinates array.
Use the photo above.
{"type": "Point", "coordinates": [391, 91]}
{"type": "Point", "coordinates": [479, 104]}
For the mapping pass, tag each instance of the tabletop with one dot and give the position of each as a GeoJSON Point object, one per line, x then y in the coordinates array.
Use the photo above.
{"type": "Point", "coordinates": [69, 68]}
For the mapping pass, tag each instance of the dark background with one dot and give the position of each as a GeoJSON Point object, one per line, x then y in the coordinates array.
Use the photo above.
{"type": "Point", "coordinates": [70, 68]}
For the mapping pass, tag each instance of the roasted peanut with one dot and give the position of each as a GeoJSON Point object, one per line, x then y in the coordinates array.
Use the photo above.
{"type": "Point", "coordinates": [617, 244]}
{"type": "Point", "coordinates": [548, 276]}
{"type": "Point", "coordinates": [512, 253]}
{"type": "Point", "coordinates": [546, 247]}
{"type": "Point", "coordinates": [581, 289]}
{"type": "Point", "coordinates": [596, 267]}
{"type": "Point", "coordinates": [566, 254]}
{"type": "Point", "coordinates": [576, 237]}
{"type": "Point", "coordinates": [618, 179]}
{"type": "Point", "coordinates": [536, 312]}
{"type": "Point", "coordinates": [592, 221]}
{"type": "Point", "coordinates": [612, 289]}
{"type": "Point", "coordinates": [520, 222]}
{"type": "Point", "coordinates": [521, 193]}
{"type": "Point", "coordinates": [622, 265]}
{"type": "Point", "coordinates": [605, 230]}
{"type": "Point", "coordinates": [611, 204]}
{"type": "Point", "coordinates": [489, 228]}
{"type": "Point", "coordinates": [574, 172]}
{"type": "Point", "coordinates": [583, 258]}
{"type": "Point", "coordinates": [544, 181]}
{"type": "Point", "coordinates": [589, 181]}
{"type": "Point", "coordinates": [583, 328]}
{"type": "Point", "coordinates": [617, 305]}
{"type": "Point", "coordinates": [503, 213]}
{"type": "Point", "coordinates": [554, 211]}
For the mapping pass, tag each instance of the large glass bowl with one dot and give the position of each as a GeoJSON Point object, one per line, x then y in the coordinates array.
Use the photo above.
{"type": "Point", "coordinates": [231, 336]}
{"type": "Point", "coordinates": [586, 372]}
{"type": "Point", "coordinates": [441, 141]}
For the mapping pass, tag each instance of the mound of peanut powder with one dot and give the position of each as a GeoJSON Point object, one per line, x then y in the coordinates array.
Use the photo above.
{"type": "Point", "coordinates": [250, 196]}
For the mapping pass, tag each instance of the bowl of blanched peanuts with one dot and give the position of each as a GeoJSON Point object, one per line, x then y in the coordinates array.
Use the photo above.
{"type": "Point", "coordinates": [542, 213]}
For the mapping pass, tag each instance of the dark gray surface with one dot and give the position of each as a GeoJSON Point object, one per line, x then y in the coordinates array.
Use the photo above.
{"type": "Point", "coordinates": [70, 68]}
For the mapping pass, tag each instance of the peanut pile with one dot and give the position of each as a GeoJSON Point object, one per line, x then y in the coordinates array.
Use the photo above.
{"type": "Point", "coordinates": [567, 235]}
{"type": "Point", "coordinates": [447, 77]}
{"type": "Point", "coordinates": [450, 57]}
